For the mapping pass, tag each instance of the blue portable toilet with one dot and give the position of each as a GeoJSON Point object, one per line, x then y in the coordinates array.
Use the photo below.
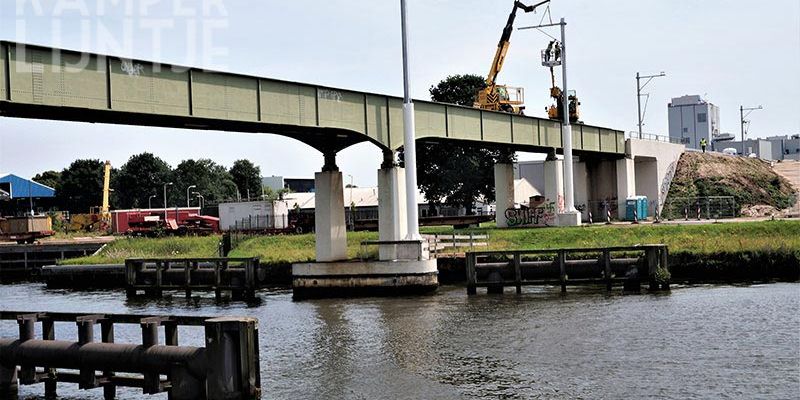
{"type": "Point", "coordinates": [638, 203]}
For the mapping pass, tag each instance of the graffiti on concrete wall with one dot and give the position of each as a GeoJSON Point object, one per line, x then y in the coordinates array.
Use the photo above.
{"type": "Point", "coordinates": [328, 94]}
{"type": "Point", "coordinates": [541, 212]}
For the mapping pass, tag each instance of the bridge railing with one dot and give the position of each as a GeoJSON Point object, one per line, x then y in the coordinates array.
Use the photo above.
{"type": "Point", "coordinates": [653, 137]}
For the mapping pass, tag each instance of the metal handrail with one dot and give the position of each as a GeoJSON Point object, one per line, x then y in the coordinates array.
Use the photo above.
{"type": "Point", "coordinates": [653, 137]}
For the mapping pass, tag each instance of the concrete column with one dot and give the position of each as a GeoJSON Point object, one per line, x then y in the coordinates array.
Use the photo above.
{"type": "Point", "coordinates": [503, 192]}
{"type": "Point", "coordinates": [392, 223]}
{"type": "Point", "coordinates": [554, 182]}
{"type": "Point", "coordinates": [626, 183]}
{"type": "Point", "coordinates": [329, 223]}
{"type": "Point", "coordinates": [581, 188]}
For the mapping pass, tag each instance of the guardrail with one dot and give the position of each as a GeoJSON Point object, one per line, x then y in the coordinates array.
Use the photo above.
{"type": "Point", "coordinates": [653, 137]}
{"type": "Point", "coordinates": [226, 368]}
{"type": "Point", "coordinates": [498, 269]}
{"type": "Point", "coordinates": [437, 243]}
{"type": "Point", "coordinates": [237, 275]}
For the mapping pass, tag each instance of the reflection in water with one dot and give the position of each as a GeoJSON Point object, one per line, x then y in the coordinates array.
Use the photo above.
{"type": "Point", "coordinates": [697, 342]}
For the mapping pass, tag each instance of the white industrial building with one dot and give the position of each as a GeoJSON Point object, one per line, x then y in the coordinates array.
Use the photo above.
{"type": "Point", "coordinates": [691, 118]}
{"type": "Point", "coordinates": [772, 148]}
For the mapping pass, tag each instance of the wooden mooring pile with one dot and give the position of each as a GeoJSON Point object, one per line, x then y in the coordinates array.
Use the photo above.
{"type": "Point", "coordinates": [239, 276]}
{"type": "Point", "coordinates": [626, 265]}
{"type": "Point", "coordinates": [226, 368]}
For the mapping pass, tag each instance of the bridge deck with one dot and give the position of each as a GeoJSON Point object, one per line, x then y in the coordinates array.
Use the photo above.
{"type": "Point", "coordinates": [48, 83]}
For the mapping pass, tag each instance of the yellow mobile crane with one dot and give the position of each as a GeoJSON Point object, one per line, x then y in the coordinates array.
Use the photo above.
{"type": "Point", "coordinates": [500, 97]}
{"type": "Point", "coordinates": [98, 218]}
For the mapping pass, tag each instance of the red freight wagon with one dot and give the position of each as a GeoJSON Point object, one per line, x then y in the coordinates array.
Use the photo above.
{"type": "Point", "coordinates": [120, 218]}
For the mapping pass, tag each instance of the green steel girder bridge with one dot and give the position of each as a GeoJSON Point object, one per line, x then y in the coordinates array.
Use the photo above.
{"type": "Point", "coordinates": [47, 83]}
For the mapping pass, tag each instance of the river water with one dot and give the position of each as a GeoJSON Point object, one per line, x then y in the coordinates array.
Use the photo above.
{"type": "Point", "coordinates": [695, 342]}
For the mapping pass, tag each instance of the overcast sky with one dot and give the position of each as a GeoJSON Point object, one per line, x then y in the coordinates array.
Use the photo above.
{"type": "Point", "coordinates": [729, 51]}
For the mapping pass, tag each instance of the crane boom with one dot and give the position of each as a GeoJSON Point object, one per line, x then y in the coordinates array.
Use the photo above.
{"type": "Point", "coordinates": [104, 210]}
{"type": "Point", "coordinates": [500, 97]}
{"type": "Point", "coordinates": [505, 41]}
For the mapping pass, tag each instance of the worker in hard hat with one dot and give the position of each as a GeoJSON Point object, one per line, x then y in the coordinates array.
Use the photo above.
{"type": "Point", "coordinates": [703, 144]}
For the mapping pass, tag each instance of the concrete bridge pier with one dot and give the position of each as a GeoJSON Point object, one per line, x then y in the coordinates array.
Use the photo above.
{"type": "Point", "coordinates": [329, 220]}
{"type": "Point", "coordinates": [402, 267]}
{"type": "Point", "coordinates": [554, 181]}
{"type": "Point", "coordinates": [392, 224]}
{"type": "Point", "coordinates": [503, 192]}
{"type": "Point", "coordinates": [626, 183]}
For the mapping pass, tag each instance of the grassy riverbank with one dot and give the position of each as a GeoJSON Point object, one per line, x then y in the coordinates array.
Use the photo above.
{"type": "Point", "coordinates": [174, 247]}
{"type": "Point", "coordinates": [708, 239]}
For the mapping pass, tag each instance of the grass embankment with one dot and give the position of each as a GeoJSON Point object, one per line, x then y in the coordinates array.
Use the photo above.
{"type": "Point", "coordinates": [750, 181]}
{"type": "Point", "coordinates": [778, 236]}
{"type": "Point", "coordinates": [699, 239]}
{"type": "Point", "coordinates": [173, 247]}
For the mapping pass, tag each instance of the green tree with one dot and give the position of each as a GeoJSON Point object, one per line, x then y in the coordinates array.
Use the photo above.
{"type": "Point", "coordinates": [458, 173]}
{"type": "Point", "coordinates": [247, 178]}
{"type": "Point", "coordinates": [458, 89]}
{"type": "Point", "coordinates": [48, 178]}
{"type": "Point", "coordinates": [139, 178]}
{"type": "Point", "coordinates": [80, 186]}
{"type": "Point", "coordinates": [272, 195]}
{"type": "Point", "coordinates": [211, 180]}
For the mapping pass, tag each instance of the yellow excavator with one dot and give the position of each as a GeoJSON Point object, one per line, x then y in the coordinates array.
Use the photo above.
{"type": "Point", "coordinates": [98, 218]}
{"type": "Point", "coordinates": [501, 97]}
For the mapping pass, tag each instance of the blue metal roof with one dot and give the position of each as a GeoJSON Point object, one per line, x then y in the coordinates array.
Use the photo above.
{"type": "Point", "coordinates": [22, 188]}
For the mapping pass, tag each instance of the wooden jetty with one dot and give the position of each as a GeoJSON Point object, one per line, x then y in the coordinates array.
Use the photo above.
{"type": "Point", "coordinates": [226, 368]}
{"type": "Point", "coordinates": [240, 276]}
{"type": "Point", "coordinates": [21, 261]}
{"type": "Point", "coordinates": [627, 265]}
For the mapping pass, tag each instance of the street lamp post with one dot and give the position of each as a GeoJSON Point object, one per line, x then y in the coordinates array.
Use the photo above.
{"type": "Point", "coordinates": [744, 122]}
{"type": "Point", "coordinates": [566, 128]}
{"type": "Point", "coordinates": [639, 88]}
{"type": "Point", "coordinates": [409, 150]}
{"type": "Point", "coordinates": [352, 218]}
{"type": "Point", "coordinates": [235, 186]}
{"type": "Point", "coordinates": [187, 194]}
{"type": "Point", "coordinates": [201, 200]}
{"type": "Point", "coordinates": [150, 200]}
{"type": "Point", "coordinates": [165, 200]}
{"type": "Point", "coordinates": [569, 198]}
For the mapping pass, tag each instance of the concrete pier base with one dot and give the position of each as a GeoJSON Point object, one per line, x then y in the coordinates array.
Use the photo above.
{"type": "Point", "coordinates": [364, 278]}
{"type": "Point", "coordinates": [569, 218]}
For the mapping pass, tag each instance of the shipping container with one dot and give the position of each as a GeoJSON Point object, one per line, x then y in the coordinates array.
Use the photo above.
{"type": "Point", "coordinates": [254, 215]}
{"type": "Point", "coordinates": [15, 225]}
